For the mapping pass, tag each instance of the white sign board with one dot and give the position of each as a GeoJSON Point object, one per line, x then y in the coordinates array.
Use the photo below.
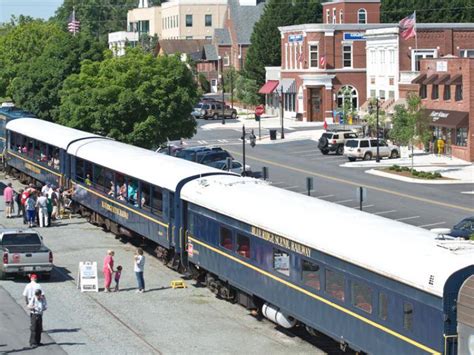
{"type": "Point", "coordinates": [404, 152]}
{"type": "Point", "coordinates": [442, 66]}
{"type": "Point", "coordinates": [88, 280]}
{"type": "Point", "coordinates": [361, 194]}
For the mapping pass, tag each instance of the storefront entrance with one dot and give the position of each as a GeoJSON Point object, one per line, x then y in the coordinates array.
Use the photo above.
{"type": "Point", "coordinates": [315, 109]}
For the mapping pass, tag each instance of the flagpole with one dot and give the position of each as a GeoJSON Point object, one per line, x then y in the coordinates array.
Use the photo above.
{"type": "Point", "coordinates": [74, 20]}
{"type": "Point", "coordinates": [416, 33]}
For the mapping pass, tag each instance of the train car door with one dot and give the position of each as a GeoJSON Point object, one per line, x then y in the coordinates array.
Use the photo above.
{"type": "Point", "coordinates": [465, 307]}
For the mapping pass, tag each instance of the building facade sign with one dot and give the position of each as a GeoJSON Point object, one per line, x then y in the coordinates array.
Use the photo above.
{"type": "Point", "coordinates": [442, 66]}
{"type": "Point", "coordinates": [354, 36]}
{"type": "Point", "coordinates": [295, 38]}
{"type": "Point", "coordinates": [436, 115]}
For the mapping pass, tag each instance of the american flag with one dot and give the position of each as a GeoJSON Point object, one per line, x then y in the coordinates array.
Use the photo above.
{"type": "Point", "coordinates": [322, 61]}
{"type": "Point", "coordinates": [408, 26]}
{"type": "Point", "coordinates": [73, 24]}
{"type": "Point", "coordinates": [300, 56]}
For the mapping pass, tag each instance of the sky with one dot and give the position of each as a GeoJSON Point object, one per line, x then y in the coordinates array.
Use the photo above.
{"type": "Point", "coordinates": [35, 8]}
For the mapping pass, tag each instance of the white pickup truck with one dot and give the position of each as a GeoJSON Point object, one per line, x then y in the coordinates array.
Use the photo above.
{"type": "Point", "coordinates": [23, 252]}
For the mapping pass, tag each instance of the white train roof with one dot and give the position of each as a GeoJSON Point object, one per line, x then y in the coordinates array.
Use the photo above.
{"type": "Point", "coordinates": [47, 132]}
{"type": "Point", "coordinates": [143, 164]}
{"type": "Point", "coordinates": [406, 253]}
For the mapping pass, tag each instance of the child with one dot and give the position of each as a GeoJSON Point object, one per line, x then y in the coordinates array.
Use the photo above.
{"type": "Point", "coordinates": [117, 277]}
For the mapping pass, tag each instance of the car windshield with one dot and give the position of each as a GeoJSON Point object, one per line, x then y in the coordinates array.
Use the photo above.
{"type": "Point", "coordinates": [465, 224]}
{"type": "Point", "coordinates": [351, 143]}
{"type": "Point", "coordinates": [198, 106]}
{"type": "Point", "coordinates": [21, 239]}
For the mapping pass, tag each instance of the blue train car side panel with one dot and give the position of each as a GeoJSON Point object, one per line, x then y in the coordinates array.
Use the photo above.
{"type": "Point", "coordinates": [124, 214]}
{"type": "Point", "coordinates": [255, 275]}
{"type": "Point", "coordinates": [31, 168]}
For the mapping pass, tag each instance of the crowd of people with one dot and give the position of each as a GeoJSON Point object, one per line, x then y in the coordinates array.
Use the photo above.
{"type": "Point", "coordinates": [109, 271]}
{"type": "Point", "coordinates": [37, 205]}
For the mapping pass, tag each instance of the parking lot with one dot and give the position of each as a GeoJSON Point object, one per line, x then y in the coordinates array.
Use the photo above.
{"type": "Point", "coordinates": [162, 320]}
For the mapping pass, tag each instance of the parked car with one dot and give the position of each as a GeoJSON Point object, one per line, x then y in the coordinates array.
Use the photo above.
{"type": "Point", "coordinates": [192, 152]}
{"type": "Point", "coordinates": [464, 229]}
{"type": "Point", "coordinates": [23, 252]}
{"type": "Point", "coordinates": [236, 167]}
{"type": "Point", "coordinates": [199, 109]}
{"type": "Point", "coordinates": [333, 141]}
{"type": "Point", "coordinates": [213, 110]}
{"type": "Point", "coordinates": [366, 148]}
{"type": "Point", "coordinates": [212, 156]}
{"type": "Point", "coordinates": [171, 148]}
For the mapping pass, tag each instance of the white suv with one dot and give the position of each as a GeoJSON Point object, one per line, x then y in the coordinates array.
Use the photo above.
{"type": "Point", "coordinates": [366, 148]}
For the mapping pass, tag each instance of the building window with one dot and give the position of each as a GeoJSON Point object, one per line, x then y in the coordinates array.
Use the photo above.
{"type": "Point", "coordinates": [348, 94]}
{"type": "Point", "coordinates": [391, 54]}
{"type": "Point", "coordinates": [335, 284]}
{"type": "Point", "coordinates": [208, 20]}
{"type": "Point", "coordinates": [382, 94]}
{"type": "Point", "coordinates": [447, 92]}
{"type": "Point", "coordinates": [461, 136]}
{"type": "Point", "coordinates": [391, 81]}
{"type": "Point", "coordinates": [327, 16]}
{"type": "Point", "coordinates": [373, 58]}
{"type": "Point", "coordinates": [226, 238]}
{"type": "Point", "coordinates": [373, 93]}
{"type": "Point", "coordinates": [466, 53]}
{"type": "Point", "coordinates": [347, 56]}
{"type": "Point", "coordinates": [226, 60]}
{"type": "Point", "coordinates": [435, 92]}
{"type": "Point", "coordinates": [407, 316]}
{"type": "Point", "coordinates": [418, 54]}
{"type": "Point", "coordinates": [313, 56]}
{"type": "Point", "coordinates": [189, 20]}
{"type": "Point", "coordinates": [458, 93]}
{"type": "Point", "coordinates": [310, 274]}
{"type": "Point", "coordinates": [281, 262]}
{"type": "Point", "coordinates": [189, 37]}
{"type": "Point", "coordinates": [382, 56]}
{"type": "Point", "coordinates": [334, 16]}
{"type": "Point", "coordinates": [143, 27]}
{"type": "Point", "coordinates": [208, 37]}
{"type": "Point", "coordinates": [383, 306]}
{"type": "Point", "coordinates": [423, 91]}
{"type": "Point", "coordinates": [372, 80]}
{"type": "Point", "coordinates": [341, 16]}
{"type": "Point", "coordinates": [362, 16]}
{"type": "Point", "coordinates": [391, 94]}
{"type": "Point", "coordinates": [243, 245]}
{"type": "Point", "coordinates": [361, 296]}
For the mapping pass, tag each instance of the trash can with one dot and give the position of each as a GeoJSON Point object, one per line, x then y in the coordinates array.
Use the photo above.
{"type": "Point", "coordinates": [273, 134]}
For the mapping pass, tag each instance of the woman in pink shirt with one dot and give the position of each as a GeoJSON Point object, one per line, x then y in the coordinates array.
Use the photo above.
{"type": "Point", "coordinates": [108, 270]}
{"type": "Point", "coordinates": [8, 197]}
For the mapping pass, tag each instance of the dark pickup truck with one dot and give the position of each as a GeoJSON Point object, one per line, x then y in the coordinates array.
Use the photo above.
{"type": "Point", "coordinates": [23, 252]}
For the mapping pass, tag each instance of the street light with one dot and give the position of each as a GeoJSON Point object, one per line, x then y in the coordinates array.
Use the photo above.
{"type": "Point", "coordinates": [371, 110]}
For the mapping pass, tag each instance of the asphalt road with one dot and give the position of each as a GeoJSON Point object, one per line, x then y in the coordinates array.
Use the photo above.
{"type": "Point", "coordinates": [290, 163]}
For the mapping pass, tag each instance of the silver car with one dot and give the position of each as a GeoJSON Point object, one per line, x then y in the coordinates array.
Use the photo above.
{"type": "Point", "coordinates": [366, 149]}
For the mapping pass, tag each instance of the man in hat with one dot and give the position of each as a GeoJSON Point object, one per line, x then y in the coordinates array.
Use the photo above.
{"type": "Point", "coordinates": [37, 306]}
{"type": "Point", "coordinates": [30, 289]}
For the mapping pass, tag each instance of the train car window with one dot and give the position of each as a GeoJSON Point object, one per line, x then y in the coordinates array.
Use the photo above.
{"type": "Point", "coordinates": [310, 274]}
{"type": "Point", "coordinates": [89, 177]}
{"type": "Point", "coordinates": [226, 238]}
{"type": "Point", "coordinates": [145, 190]}
{"type": "Point", "coordinates": [132, 191]}
{"type": "Point", "coordinates": [335, 284]}
{"type": "Point", "coordinates": [383, 306]}
{"type": "Point", "coordinates": [44, 154]}
{"type": "Point", "coordinates": [29, 147]}
{"type": "Point", "coordinates": [407, 316]}
{"type": "Point", "coordinates": [361, 296]}
{"type": "Point", "coordinates": [120, 187]}
{"type": "Point", "coordinates": [171, 205]}
{"type": "Point", "coordinates": [79, 170]}
{"type": "Point", "coordinates": [99, 178]}
{"type": "Point", "coordinates": [36, 150]}
{"type": "Point", "coordinates": [157, 200]}
{"type": "Point", "coordinates": [13, 142]}
{"type": "Point", "coordinates": [243, 245]}
{"type": "Point", "coordinates": [281, 262]}
{"type": "Point", "coordinates": [55, 157]}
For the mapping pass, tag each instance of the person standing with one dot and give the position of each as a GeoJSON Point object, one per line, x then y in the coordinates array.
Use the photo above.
{"type": "Point", "coordinates": [8, 198]}
{"type": "Point", "coordinates": [440, 144]}
{"type": "Point", "coordinates": [24, 197]}
{"type": "Point", "coordinates": [19, 205]}
{"type": "Point", "coordinates": [30, 207]}
{"type": "Point", "coordinates": [42, 205]}
{"type": "Point", "coordinates": [30, 289]}
{"type": "Point", "coordinates": [37, 306]}
{"type": "Point", "coordinates": [108, 269]}
{"type": "Point", "coordinates": [139, 268]}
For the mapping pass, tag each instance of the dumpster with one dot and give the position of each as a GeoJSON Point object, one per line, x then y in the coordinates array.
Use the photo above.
{"type": "Point", "coordinates": [273, 134]}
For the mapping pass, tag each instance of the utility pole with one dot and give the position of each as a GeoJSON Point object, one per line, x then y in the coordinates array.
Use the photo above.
{"type": "Point", "coordinates": [243, 150]}
{"type": "Point", "coordinates": [377, 159]}
{"type": "Point", "coordinates": [281, 113]}
{"type": "Point", "coordinates": [223, 90]}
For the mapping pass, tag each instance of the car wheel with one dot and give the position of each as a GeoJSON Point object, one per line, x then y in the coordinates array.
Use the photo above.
{"type": "Point", "coordinates": [352, 159]}
{"type": "Point", "coordinates": [233, 116]}
{"type": "Point", "coordinates": [323, 143]}
{"type": "Point", "coordinates": [368, 156]}
{"type": "Point", "coordinates": [340, 150]}
{"type": "Point", "coordinates": [206, 118]}
{"type": "Point", "coordinates": [215, 116]}
{"type": "Point", "coordinates": [325, 151]}
{"type": "Point", "coordinates": [394, 154]}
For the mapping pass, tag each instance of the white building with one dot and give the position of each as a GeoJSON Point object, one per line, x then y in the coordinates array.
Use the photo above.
{"type": "Point", "coordinates": [119, 40]}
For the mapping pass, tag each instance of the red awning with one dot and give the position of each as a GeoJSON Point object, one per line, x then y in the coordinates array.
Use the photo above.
{"type": "Point", "coordinates": [268, 87]}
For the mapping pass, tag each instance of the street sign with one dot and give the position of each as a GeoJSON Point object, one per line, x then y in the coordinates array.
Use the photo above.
{"type": "Point", "coordinates": [259, 110]}
{"type": "Point", "coordinates": [88, 280]}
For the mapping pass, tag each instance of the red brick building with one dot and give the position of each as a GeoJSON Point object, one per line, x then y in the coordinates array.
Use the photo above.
{"type": "Point", "coordinates": [446, 87]}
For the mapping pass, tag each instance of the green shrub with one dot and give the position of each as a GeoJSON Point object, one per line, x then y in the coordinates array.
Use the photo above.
{"type": "Point", "coordinates": [405, 168]}
{"type": "Point", "coordinates": [393, 167]}
{"type": "Point", "coordinates": [438, 175]}
{"type": "Point", "coordinates": [415, 173]}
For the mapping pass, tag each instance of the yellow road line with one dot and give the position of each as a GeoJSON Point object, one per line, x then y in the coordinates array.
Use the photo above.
{"type": "Point", "coordinates": [348, 182]}
{"type": "Point", "coordinates": [319, 298]}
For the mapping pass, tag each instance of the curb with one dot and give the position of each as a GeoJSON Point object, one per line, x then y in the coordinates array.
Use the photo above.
{"type": "Point", "coordinates": [415, 181]}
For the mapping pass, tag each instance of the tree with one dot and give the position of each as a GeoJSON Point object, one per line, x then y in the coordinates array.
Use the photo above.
{"type": "Point", "coordinates": [246, 91]}
{"type": "Point", "coordinates": [137, 98]}
{"type": "Point", "coordinates": [38, 82]}
{"type": "Point", "coordinates": [265, 49]}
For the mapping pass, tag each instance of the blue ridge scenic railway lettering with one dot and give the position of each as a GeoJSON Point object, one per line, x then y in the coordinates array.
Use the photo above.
{"type": "Point", "coordinates": [281, 241]}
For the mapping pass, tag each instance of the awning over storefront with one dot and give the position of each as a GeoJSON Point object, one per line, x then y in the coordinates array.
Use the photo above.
{"type": "Point", "coordinates": [268, 87]}
{"type": "Point", "coordinates": [419, 79]}
{"type": "Point", "coordinates": [442, 79]}
{"type": "Point", "coordinates": [289, 86]}
{"type": "Point", "coordinates": [455, 80]}
{"type": "Point", "coordinates": [430, 80]}
{"type": "Point", "coordinates": [448, 119]}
